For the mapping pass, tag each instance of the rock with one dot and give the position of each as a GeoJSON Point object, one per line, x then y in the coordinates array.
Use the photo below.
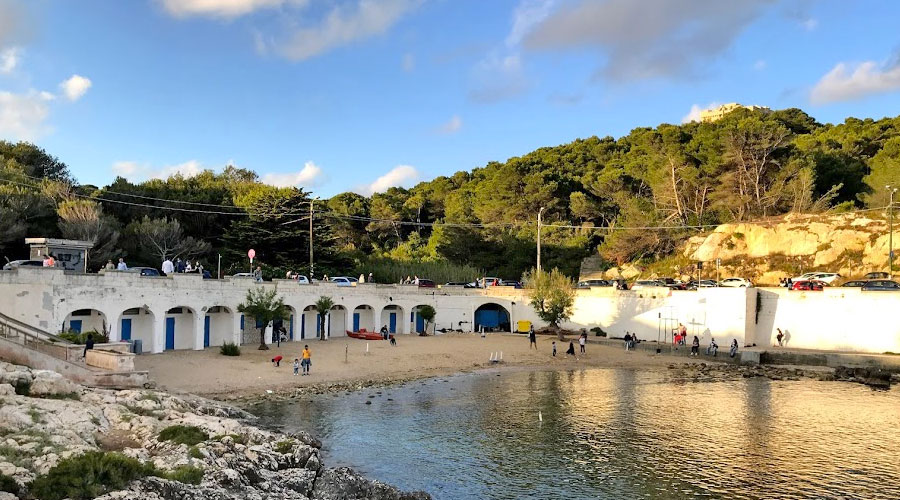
{"type": "Point", "coordinates": [300, 480]}
{"type": "Point", "coordinates": [345, 484]}
{"type": "Point", "coordinates": [7, 496]}
{"type": "Point", "coordinates": [48, 383]}
{"type": "Point", "coordinates": [7, 390]}
{"type": "Point", "coordinates": [873, 377]}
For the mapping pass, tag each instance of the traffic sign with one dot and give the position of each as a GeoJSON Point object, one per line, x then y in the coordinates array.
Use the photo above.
{"type": "Point", "coordinates": [251, 253]}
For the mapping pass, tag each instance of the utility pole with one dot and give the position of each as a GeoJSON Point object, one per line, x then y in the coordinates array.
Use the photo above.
{"type": "Point", "coordinates": [219, 267]}
{"type": "Point", "coordinates": [311, 269]}
{"type": "Point", "coordinates": [891, 231]}
{"type": "Point", "coordinates": [540, 213]}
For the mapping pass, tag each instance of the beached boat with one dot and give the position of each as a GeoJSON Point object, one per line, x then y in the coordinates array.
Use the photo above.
{"type": "Point", "coordinates": [363, 334]}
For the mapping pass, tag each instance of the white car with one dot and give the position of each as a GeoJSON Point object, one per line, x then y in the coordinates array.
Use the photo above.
{"type": "Point", "coordinates": [640, 284]}
{"type": "Point", "coordinates": [343, 280]}
{"type": "Point", "coordinates": [824, 277]}
{"type": "Point", "coordinates": [303, 280]}
{"type": "Point", "coordinates": [736, 283]}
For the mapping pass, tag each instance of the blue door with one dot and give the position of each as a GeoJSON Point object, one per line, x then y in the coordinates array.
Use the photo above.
{"type": "Point", "coordinates": [170, 334]}
{"type": "Point", "coordinates": [318, 324]}
{"type": "Point", "coordinates": [206, 331]}
{"type": "Point", "coordinates": [420, 324]}
{"type": "Point", "coordinates": [392, 323]}
{"type": "Point", "coordinates": [355, 322]}
{"type": "Point", "coordinates": [291, 327]}
{"type": "Point", "coordinates": [302, 326]}
{"type": "Point", "coordinates": [75, 325]}
{"type": "Point", "coordinates": [126, 328]}
{"type": "Point", "coordinates": [242, 322]}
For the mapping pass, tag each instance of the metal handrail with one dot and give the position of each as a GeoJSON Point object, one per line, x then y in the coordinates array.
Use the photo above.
{"type": "Point", "coordinates": [35, 331]}
{"type": "Point", "coordinates": [34, 338]}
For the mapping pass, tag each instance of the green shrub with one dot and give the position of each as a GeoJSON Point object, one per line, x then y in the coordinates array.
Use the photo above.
{"type": "Point", "coordinates": [187, 474]}
{"type": "Point", "coordinates": [89, 476]}
{"type": "Point", "coordinates": [80, 338]}
{"type": "Point", "coordinates": [230, 349]}
{"type": "Point", "coordinates": [8, 484]}
{"type": "Point", "coordinates": [598, 331]}
{"type": "Point", "coordinates": [284, 447]}
{"type": "Point", "coordinates": [194, 452]}
{"type": "Point", "coordinates": [183, 434]}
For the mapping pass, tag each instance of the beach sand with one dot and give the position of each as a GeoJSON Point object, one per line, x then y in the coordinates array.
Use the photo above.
{"type": "Point", "coordinates": [208, 373]}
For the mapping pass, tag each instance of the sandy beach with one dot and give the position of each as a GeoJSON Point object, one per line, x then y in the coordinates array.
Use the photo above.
{"type": "Point", "coordinates": [344, 360]}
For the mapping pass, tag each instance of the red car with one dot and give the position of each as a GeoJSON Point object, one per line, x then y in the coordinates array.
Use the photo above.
{"type": "Point", "coordinates": [810, 285]}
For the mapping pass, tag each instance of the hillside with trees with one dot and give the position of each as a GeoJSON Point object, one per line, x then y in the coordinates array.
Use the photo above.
{"type": "Point", "coordinates": [606, 192]}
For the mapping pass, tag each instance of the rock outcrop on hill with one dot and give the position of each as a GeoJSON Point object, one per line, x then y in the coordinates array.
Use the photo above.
{"type": "Point", "coordinates": [237, 460]}
{"type": "Point", "coordinates": [851, 244]}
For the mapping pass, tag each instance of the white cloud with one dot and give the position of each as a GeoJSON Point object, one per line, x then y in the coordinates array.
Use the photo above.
{"type": "Point", "coordinates": [846, 83]}
{"type": "Point", "coordinates": [452, 126]}
{"type": "Point", "coordinates": [9, 59]}
{"type": "Point", "coordinates": [409, 63]}
{"type": "Point", "coordinates": [22, 116]}
{"type": "Point", "coordinates": [527, 15]}
{"type": "Point", "coordinates": [694, 114]}
{"type": "Point", "coordinates": [401, 175]}
{"type": "Point", "coordinates": [344, 25]}
{"type": "Point", "coordinates": [498, 77]}
{"type": "Point", "coordinates": [810, 24]}
{"type": "Point", "coordinates": [75, 87]}
{"type": "Point", "coordinates": [310, 175]}
{"type": "Point", "coordinates": [648, 38]}
{"type": "Point", "coordinates": [135, 171]}
{"type": "Point", "coordinates": [219, 8]}
{"type": "Point", "coordinates": [760, 65]}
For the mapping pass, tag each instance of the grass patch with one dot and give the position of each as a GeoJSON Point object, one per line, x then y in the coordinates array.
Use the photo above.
{"type": "Point", "coordinates": [34, 414]}
{"type": "Point", "coordinates": [284, 447]}
{"type": "Point", "coordinates": [598, 331]}
{"type": "Point", "coordinates": [144, 412]}
{"type": "Point", "coordinates": [74, 396]}
{"type": "Point", "coordinates": [149, 396]}
{"type": "Point", "coordinates": [194, 452]}
{"type": "Point", "coordinates": [230, 349]}
{"type": "Point", "coordinates": [237, 438]}
{"type": "Point", "coordinates": [738, 236]}
{"type": "Point", "coordinates": [89, 476]}
{"type": "Point", "coordinates": [9, 484]}
{"type": "Point", "coordinates": [183, 434]}
{"type": "Point", "coordinates": [187, 474]}
{"type": "Point", "coordinates": [15, 456]}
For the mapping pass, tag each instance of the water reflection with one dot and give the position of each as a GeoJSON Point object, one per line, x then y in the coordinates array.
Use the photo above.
{"type": "Point", "coordinates": [611, 434]}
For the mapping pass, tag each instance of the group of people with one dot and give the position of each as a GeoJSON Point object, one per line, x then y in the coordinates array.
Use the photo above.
{"type": "Point", "coordinates": [631, 340]}
{"type": "Point", "coordinates": [582, 342]}
{"type": "Point", "coordinates": [410, 281]}
{"type": "Point", "coordinates": [121, 266]}
{"type": "Point", "coordinates": [180, 266]}
{"type": "Point", "coordinates": [49, 260]}
{"type": "Point", "coordinates": [304, 361]}
{"type": "Point", "coordinates": [386, 335]}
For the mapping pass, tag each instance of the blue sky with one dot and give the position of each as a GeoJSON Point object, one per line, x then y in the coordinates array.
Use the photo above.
{"type": "Point", "coordinates": [338, 95]}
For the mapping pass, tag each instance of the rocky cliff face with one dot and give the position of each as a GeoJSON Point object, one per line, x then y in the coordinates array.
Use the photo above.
{"type": "Point", "coordinates": [849, 244]}
{"type": "Point", "coordinates": [45, 419]}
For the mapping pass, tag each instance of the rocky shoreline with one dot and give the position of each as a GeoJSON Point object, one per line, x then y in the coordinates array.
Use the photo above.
{"type": "Point", "coordinates": [718, 372]}
{"type": "Point", "coordinates": [47, 421]}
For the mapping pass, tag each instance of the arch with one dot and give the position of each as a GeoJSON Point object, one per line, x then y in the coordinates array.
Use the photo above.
{"type": "Point", "coordinates": [417, 323]}
{"type": "Point", "coordinates": [392, 316]}
{"type": "Point", "coordinates": [364, 319]}
{"type": "Point", "coordinates": [178, 330]}
{"type": "Point", "coordinates": [218, 323]}
{"type": "Point", "coordinates": [338, 321]}
{"type": "Point", "coordinates": [289, 323]}
{"type": "Point", "coordinates": [493, 317]}
{"type": "Point", "coordinates": [136, 324]}
{"type": "Point", "coordinates": [309, 323]}
{"type": "Point", "coordinates": [86, 320]}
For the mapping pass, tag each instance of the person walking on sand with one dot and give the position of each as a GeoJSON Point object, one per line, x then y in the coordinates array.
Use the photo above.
{"type": "Point", "coordinates": [571, 349]}
{"type": "Point", "coordinates": [695, 346]}
{"type": "Point", "coordinates": [307, 359]}
{"type": "Point", "coordinates": [532, 338]}
{"type": "Point", "coordinates": [582, 340]}
{"type": "Point", "coordinates": [554, 348]}
{"type": "Point", "coordinates": [296, 366]}
{"type": "Point", "coordinates": [779, 337]}
{"type": "Point", "coordinates": [627, 341]}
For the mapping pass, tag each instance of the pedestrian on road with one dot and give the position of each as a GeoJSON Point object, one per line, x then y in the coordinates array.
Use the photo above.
{"type": "Point", "coordinates": [307, 359]}
{"type": "Point", "coordinates": [532, 338]}
{"type": "Point", "coordinates": [582, 340]}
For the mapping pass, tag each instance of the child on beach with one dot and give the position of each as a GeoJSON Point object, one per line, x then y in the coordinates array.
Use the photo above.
{"type": "Point", "coordinates": [554, 348]}
{"type": "Point", "coordinates": [277, 360]}
{"type": "Point", "coordinates": [296, 366]}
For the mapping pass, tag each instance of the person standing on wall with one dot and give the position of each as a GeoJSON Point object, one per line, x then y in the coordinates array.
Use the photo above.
{"type": "Point", "coordinates": [257, 274]}
{"type": "Point", "coordinates": [122, 266]}
{"type": "Point", "coordinates": [168, 268]}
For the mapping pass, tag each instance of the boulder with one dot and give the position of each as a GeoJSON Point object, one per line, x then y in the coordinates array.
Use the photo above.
{"type": "Point", "coordinates": [7, 390]}
{"type": "Point", "coordinates": [48, 383]}
{"type": "Point", "coordinates": [345, 484]}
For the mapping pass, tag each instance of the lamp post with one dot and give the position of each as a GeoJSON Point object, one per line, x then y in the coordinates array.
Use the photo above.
{"type": "Point", "coordinates": [891, 191]}
{"type": "Point", "coordinates": [540, 213]}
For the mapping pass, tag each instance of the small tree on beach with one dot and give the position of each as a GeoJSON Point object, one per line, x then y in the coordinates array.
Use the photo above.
{"type": "Point", "coordinates": [323, 305]}
{"type": "Point", "coordinates": [427, 313]}
{"type": "Point", "coordinates": [264, 306]}
{"type": "Point", "coordinates": [552, 296]}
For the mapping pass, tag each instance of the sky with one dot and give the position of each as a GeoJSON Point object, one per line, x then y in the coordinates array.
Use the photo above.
{"type": "Point", "coordinates": [362, 95]}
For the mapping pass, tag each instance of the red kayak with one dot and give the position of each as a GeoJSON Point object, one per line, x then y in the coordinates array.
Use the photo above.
{"type": "Point", "coordinates": [362, 334]}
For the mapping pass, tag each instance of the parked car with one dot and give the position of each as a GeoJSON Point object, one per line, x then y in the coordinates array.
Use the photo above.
{"type": "Point", "coordinates": [855, 283]}
{"type": "Point", "coordinates": [736, 283]}
{"type": "Point", "coordinates": [512, 283]}
{"type": "Point", "coordinates": [22, 263]}
{"type": "Point", "coordinates": [343, 280]}
{"type": "Point", "coordinates": [426, 283]}
{"type": "Point", "coordinates": [207, 275]}
{"type": "Point", "coordinates": [303, 280]}
{"type": "Point", "coordinates": [819, 276]}
{"type": "Point", "coordinates": [809, 285]}
{"type": "Point", "coordinates": [592, 283]}
{"type": "Point", "coordinates": [459, 283]}
{"type": "Point", "coordinates": [878, 275]}
{"type": "Point", "coordinates": [708, 283]}
{"type": "Point", "coordinates": [673, 283]}
{"type": "Point", "coordinates": [242, 275]}
{"type": "Point", "coordinates": [145, 271]}
{"type": "Point", "coordinates": [881, 285]}
{"type": "Point", "coordinates": [639, 284]}
{"type": "Point", "coordinates": [486, 282]}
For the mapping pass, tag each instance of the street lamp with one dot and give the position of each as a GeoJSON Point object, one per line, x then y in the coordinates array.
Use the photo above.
{"type": "Point", "coordinates": [540, 213]}
{"type": "Point", "coordinates": [891, 191]}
